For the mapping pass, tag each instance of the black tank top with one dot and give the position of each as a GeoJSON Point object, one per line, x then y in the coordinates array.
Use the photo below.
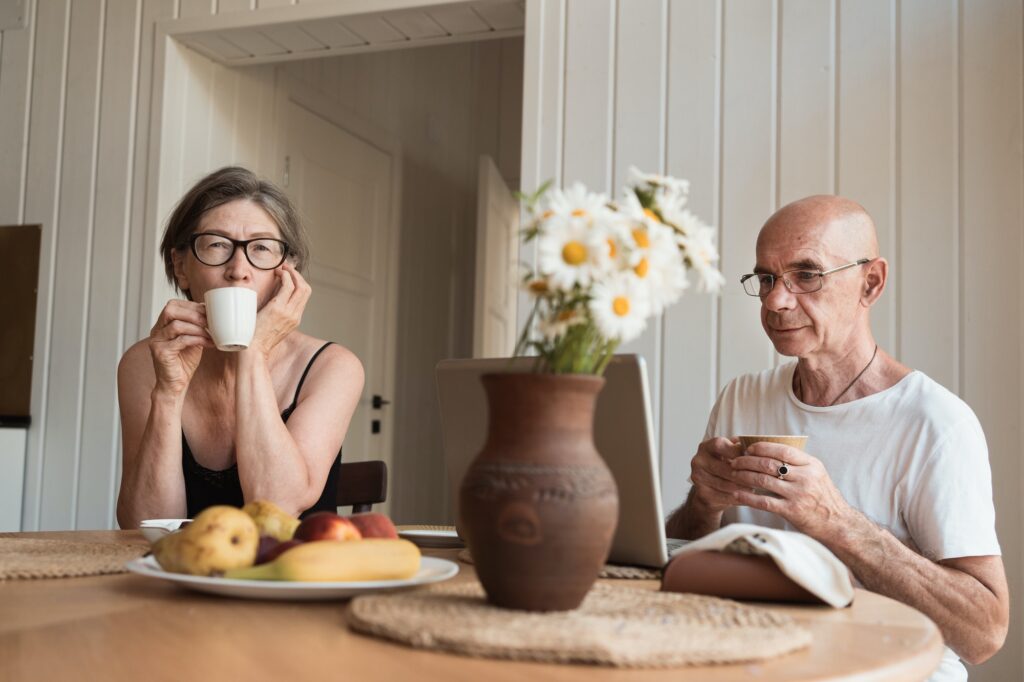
{"type": "Point", "coordinates": [207, 487]}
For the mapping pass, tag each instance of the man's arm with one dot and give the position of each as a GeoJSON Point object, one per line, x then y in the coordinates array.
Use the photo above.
{"type": "Point", "coordinates": [692, 520]}
{"type": "Point", "coordinates": [966, 597]}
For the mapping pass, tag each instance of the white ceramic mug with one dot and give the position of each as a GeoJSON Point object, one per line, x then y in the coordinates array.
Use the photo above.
{"type": "Point", "coordinates": [231, 316]}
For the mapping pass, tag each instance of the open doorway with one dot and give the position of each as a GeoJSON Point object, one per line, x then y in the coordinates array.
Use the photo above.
{"type": "Point", "coordinates": [382, 152]}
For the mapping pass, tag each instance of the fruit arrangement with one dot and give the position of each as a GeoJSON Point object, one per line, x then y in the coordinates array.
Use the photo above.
{"type": "Point", "coordinates": [260, 541]}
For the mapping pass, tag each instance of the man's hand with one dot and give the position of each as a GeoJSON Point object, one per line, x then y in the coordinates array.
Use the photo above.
{"type": "Point", "coordinates": [712, 474]}
{"type": "Point", "coordinates": [807, 498]}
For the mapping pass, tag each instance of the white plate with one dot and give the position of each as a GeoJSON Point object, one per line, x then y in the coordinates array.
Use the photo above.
{"type": "Point", "coordinates": [432, 570]}
{"type": "Point", "coordinates": [154, 529]}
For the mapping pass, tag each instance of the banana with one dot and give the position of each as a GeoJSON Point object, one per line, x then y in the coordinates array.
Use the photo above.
{"type": "Point", "coordinates": [339, 561]}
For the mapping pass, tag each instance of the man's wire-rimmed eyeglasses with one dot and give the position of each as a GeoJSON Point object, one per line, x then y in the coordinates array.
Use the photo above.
{"type": "Point", "coordinates": [264, 253]}
{"type": "Point", "coordinates": [799, 281]}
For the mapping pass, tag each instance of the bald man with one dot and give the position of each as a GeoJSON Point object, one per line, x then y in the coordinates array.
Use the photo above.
{"type": "Point", "coordinates": [896, 479]}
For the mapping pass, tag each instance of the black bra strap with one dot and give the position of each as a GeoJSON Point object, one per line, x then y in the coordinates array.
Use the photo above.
{"type": "Point", "coordinates": [302, 379]}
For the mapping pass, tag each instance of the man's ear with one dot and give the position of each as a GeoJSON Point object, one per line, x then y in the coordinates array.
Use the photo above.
{"type": "Point", "coordinates": [178, 261]}
{"type": "Point", "coordinates": [875, 276]}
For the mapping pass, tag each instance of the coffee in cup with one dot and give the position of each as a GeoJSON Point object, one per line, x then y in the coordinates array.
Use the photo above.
{"type": "Point", "coordinates": [231, 317]}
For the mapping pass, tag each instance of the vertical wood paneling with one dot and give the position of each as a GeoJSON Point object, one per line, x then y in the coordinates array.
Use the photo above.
{"type": "Point", "coordinates": [543, 107]}
{"type": "Point", "coordinates": [928, 196]}
{"type": "Point", "coordinates": [805, 100]}
{"type": "Point", "coordinates": [106, 287]}
{"type": "Point", "coordinates": [195, 8]}
{"type": "Point", "coordinates": [590, 70]}
{"type": "Point", "coordinates": [70, 307]}
{"type": "Point", "coordinates": [747, 172]}
{"type": "Point", "coordinates": [15, 71]}
{"type": "Point", "coordinates": [689, 358]}
{"type": "Point", "coordinates": [142, 234]}
{"type": "Point", "coordinates": [866, 152]}
{"type": "Point", "coordinates": [42, 188]}
{"type": "Point", "coordinates": [991, 184]}
{"type": "Point", "coordinates": [639, 127]}
{"type": "Point", "coordinates": [224, 6]}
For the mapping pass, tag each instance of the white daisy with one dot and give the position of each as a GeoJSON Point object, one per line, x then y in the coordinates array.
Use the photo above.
{"type": "Point", "coordinates": [558, 323]}
{"type": "Point", "coordinates": [619, 307]}
{"type": "Point", "coordinates": [701, 255]}
{"type": "Point", "coordinates": [666, 187]}
{"type": "Point", "coordinates": [664, 282]}
{"type": "Point", "coordinates": [576, 202]}
{"type": "Point", "coordinates": [571, 252]}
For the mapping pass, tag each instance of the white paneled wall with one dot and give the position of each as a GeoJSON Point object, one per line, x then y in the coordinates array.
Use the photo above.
{"type": "Point", "coordinates": [911, 107]}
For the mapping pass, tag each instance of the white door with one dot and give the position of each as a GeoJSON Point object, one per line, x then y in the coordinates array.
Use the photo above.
{"type": "Point", "coordinates": [497, 268]}
{"type": "Point", "coordinates": [342, 186]}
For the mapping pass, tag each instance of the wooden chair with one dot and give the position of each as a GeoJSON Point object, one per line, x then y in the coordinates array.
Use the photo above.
{"type": "Point", "coordinates": [362, 485]}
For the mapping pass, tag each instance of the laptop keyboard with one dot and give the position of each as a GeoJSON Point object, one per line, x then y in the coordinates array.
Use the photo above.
{"type": "Point", "coordinates": [672, 544]}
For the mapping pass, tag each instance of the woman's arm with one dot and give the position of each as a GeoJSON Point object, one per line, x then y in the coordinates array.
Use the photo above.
{"type": "Point", "coordinates": [288, 464]}
{"type": "Point", "coordinates": [152, 379]}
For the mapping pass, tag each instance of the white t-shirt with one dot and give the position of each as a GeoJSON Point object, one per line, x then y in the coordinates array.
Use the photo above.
{"type": "Point", "coordinates": [911, 458]}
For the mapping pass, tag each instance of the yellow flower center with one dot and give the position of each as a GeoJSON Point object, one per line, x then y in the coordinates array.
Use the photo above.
{"type": "Point", "coordinates": [538, 286]}
{"type": "Point", "coordinates": [574, 253]}
{"type": "Point", "coordinates": [650, 214]}
{"type": "Point", "coordinates": [612, 251]}
{"type": "Point", "coordinates": [641, 239]}
{"type": "Point", "coordinates": [578, 213]}
{"type": "Point", "coordinates": [641, 268]}
{"type": "Point", "coordinates": [547, 214]}
{"type": "Point", "coordinates": [620, 306]}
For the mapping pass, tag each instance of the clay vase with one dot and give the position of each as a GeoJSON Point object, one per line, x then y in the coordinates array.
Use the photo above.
{"type": "Point", "coordinates": [538, 506]}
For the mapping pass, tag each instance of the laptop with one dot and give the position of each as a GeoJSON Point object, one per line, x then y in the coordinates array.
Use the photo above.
{"type": "Point", "coordinates": [623, 433]}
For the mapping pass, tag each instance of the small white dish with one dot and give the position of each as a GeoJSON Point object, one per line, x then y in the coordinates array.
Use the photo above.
{"type": "Point", "coordinates": [154, 529]}
{"type": "Point", "coordinates": [432, 537]}
{"type": "Point", "coordinates": [432, 570]}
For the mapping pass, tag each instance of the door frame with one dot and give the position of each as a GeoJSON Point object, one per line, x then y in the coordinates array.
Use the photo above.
{"type": "Point", "coordinates": [161, 191]}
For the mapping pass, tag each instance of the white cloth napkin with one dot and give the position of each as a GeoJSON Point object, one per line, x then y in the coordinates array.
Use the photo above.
{"type": "Point", "coordinates": [805, 560]}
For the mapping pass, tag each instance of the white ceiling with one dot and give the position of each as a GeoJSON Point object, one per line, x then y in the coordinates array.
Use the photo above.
{"type": "Point", "coordinates": [330, 36]}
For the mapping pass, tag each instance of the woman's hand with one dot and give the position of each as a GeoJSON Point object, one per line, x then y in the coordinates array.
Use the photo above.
{"type": "Point", "coordinates": [282, 314]}
{"type": "Point", "coordinates": [176, 343]}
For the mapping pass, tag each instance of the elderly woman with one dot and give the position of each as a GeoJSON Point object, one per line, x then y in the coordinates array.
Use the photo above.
{"type": "Point", "coordinates": [202, 427]}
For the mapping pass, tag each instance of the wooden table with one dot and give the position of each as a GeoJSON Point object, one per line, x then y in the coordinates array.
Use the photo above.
{"type": "Point", "coordinates": [130, 627]}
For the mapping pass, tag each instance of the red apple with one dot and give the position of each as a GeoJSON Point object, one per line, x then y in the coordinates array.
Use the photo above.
{"type": "Point", "coordinates": [326, 526]}
{"type": "Point", "coordinates": [373, 525]}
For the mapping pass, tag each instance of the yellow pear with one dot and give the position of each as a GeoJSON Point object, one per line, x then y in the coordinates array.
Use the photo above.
{"type": "Point", "coordinates": [272, 520]}
{"type": "Point", "coordinates": [219, 539]}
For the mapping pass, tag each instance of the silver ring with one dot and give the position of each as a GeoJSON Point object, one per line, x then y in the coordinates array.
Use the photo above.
{"type": "Point", "coordinates": [783, 470]}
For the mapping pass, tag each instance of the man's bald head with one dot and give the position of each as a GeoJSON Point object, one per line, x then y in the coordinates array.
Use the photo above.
{"type": "Point", "coordinates": [834, 224]}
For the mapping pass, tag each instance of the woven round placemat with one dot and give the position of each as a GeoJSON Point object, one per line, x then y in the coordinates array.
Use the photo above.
{"type": "Point", "coordinates": [609, 571]}
{"type": "Point", "coordinates": [32, 558]}
{"type": "Point", "coordinates": [615, 626]}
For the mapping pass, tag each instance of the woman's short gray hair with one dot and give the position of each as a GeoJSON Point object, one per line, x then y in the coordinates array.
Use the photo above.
{"type": "Point", "coordinates": [220, 187]}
